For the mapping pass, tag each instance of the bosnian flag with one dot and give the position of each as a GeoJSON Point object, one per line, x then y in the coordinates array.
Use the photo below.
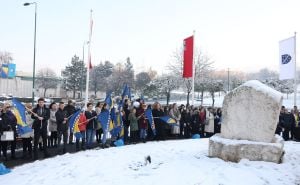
{"type": "Point", "coordinates": [188, 46]}
{"type": "Point", "coordinates": [287, 61]}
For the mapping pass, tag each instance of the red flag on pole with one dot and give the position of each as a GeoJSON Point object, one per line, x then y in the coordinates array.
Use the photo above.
{"type": "Point", "coordinates": [188, 52]}
{"type": "Point", "coordinates": [91, 31]}
{"type": "Point", "coordinates": [90, 63]}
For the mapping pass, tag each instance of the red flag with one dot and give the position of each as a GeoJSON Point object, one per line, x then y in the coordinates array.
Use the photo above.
{"type": "Point", "coordinates": [90, 62]}
{"type": "Point", "coordinates": [188, 45]}
{"type": "Point", "coordinates": [91, 30]}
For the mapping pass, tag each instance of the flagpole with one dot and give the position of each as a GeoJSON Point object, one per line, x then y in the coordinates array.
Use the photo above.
{"type": "Point", "coordinates": [193, 73]}
{"type": "Point", "coordinates": [295, 77]}
{"type": "Point", "coordinates": [88, 65]}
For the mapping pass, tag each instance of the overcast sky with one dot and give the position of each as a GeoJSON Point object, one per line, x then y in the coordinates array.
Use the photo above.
{"type": "Point", "coordinates": [236, 34]}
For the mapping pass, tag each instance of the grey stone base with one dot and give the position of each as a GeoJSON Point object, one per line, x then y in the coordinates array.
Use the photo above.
{"type": "Point", "coordinates": [235, 150]}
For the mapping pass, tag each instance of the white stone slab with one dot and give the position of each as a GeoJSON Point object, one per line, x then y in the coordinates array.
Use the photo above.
{"type": "Point", "coordinates": [250, 112]}
{"type": "Point", "coordinates": [235, 150]}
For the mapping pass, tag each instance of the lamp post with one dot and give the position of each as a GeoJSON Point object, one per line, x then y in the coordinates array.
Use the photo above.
{"type": "Point", "coordinates": [81, 82]}
{"type": "Point", "coordinates": [34, 49]}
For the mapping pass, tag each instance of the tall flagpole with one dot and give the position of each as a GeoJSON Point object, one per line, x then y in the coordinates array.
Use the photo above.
{"type": "Point", "coordinates": [88, 63]}
{"type": "Point", "coordinates": [193, 73]}
{"type": "Point", "coordinates": [295, 77]}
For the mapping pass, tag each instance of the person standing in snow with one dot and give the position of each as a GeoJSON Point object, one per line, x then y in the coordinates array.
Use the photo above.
{"type": "Point", "coordinates": [209, 126]}
{"type": "Point", "coordinates": [62, 125]}
{"type": "Point", "coordinates": [90, 115]}
{"type": "Point", "coordinates": [142, 122]}
{"type": "Point", "coordinates": [288, 123]}
{"type": "Point", "coordinates": [53, 125]}
{"type": "Point", "coordinates": [134, 128]}
{"type": "Point", "coordinates": [159, 124]}
{"type": "Point", "coordinates": [175, 114]}
{"type": "Point", "coordinates": [40, 114]}
{"type": "Point", "coordinates": [70, 110]}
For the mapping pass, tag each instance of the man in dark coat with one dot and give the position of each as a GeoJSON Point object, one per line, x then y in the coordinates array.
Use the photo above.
{"type": "Point", "coordinates": [62, 125]}
{"type": "Point", "coordinates": [40, 115]}
{"type": "Point", "coordinates": [70, 109]}
{"type": "Point", "coordinates": [288, 123]}
{"type": "Point", "coordinates": [126, 120]}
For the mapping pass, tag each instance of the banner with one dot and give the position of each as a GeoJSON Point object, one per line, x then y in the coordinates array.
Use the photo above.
{"type": "Point", "coordinates": [287, 59]}
{"type": "Point", "coordinates": [188, 53]}
{"type": "Point", "coordinates": [11, 70]}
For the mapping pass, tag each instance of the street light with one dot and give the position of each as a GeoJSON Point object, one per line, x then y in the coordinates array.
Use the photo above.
{"type": "Point", "coordinates": [34, 49]}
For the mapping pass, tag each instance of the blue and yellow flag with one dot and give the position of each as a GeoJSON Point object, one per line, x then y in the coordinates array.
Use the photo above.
{"type": "Point", "coordinates": [109, 101]}
{"type": "Point", "coordinates": [104, 119]}
{"type": "Point", "coordinates": [19, 112]}
{"type": "Point", "coordinates": [148, 114]}
{"type": "Point", "coordinates": [74, 121]}
{"type": "Point", "coordinates": [168, 120]}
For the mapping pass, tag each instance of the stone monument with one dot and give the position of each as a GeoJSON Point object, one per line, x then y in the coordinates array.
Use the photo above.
{"type": "Point", "coordinates": [250, 116]}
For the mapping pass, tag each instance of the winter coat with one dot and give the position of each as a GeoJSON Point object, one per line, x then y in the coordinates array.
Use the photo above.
{"type": "Point", "coordinates": [92, 124]}
{"type": "Point", "coordinates": [142, 122]}
{"type": "Point", "coordinates": [133, 122]}
{"type": "Point", "coordinates": [41, 112]}
{"type": "Point", "coordinates": [175, 114]}
{"type": "Point", "coordinates": [159, 124]}
{"type": "Point", "coordinates": [195, 122]}
{"type": "Point", "coordinates": [70, 109]}
{"type": "Point", "coordinates": [60, 115]}
{"type": "Point", "coordinates": [288, 121]}
{"type": "Point", "coordinates": [210, 126]}
{"type": "Point", "coordinates": [82, 122]}
{"type": "Point", "coordinates": [127, 112]}
{"type": "Point", "coordinates": [52, 122]}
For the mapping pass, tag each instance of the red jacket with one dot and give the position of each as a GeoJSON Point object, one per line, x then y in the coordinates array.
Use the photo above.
{"type": "Point", "coordinates": [82, 122]}
{"type": "Point", "coordinates": [140, 112]}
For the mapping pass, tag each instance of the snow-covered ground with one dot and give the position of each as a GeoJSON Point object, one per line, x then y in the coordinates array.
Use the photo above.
{"type": "Point", "coordinates": [173, 162]}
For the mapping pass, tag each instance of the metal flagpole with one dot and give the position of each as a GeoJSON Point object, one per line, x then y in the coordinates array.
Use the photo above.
{"type": "Point", "coordinates": [295, 77]}
{"type": "Point", "coordinates": [88, 65]}
{"type": "Point", "coordinates": [193, 73]}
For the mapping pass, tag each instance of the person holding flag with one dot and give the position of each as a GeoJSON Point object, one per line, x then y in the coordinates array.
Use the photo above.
{"type": "Point", "coordinates": [142, 122]}
{"type": "Point", "coordinates": [40, 114]}
{"type": "Point", "coordinates": [91, 126]}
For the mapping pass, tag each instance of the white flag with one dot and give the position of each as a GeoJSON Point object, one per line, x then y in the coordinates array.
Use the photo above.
{"type": "Point", "coordinates": [287, 59]}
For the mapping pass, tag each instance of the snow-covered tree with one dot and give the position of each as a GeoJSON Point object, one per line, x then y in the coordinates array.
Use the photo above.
{"type": "Point", "coordinates": [74, 75]}
{"type": "Point", "coordinates": [46, 79]}
{"type": "Point", "coordinates": [165, 84]}
{"type": "Point", "coordinates": [283, 86]}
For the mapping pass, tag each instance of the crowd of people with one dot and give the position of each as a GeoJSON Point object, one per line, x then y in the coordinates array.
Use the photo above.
{"type": "Point", "coordinates": [288, 123]}
{"type": "Point", "coordinates": [51, 126]}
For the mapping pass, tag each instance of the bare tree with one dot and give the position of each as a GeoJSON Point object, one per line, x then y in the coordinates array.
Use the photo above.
{"type": "Point", "coordinates": [203, 66]}
{"type": "Point", "coordinates": [46, 79]}
{"type": "Point", "coordinates": [5, 57]}
{"type": "Point", "coordinates": [142, 79]}
{"type": "Point", "coordinates": [166, 84]}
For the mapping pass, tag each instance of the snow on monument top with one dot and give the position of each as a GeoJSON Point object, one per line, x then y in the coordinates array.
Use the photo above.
{"type": "Point", "coordinates": [250, 112]}
{"type": "Point", "coordinates": [264, 89]}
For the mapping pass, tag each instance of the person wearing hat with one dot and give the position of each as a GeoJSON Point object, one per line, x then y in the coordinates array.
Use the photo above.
{"type": "Point", "coordinates": [40, 114]}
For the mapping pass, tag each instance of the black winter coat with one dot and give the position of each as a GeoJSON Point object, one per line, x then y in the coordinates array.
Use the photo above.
{"type": "Point", "coordinates": [41, 112]}
{"type": "Point", "coordinates": [60, 115]}
{"type": "Point", "coordinates": [92, 124]}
